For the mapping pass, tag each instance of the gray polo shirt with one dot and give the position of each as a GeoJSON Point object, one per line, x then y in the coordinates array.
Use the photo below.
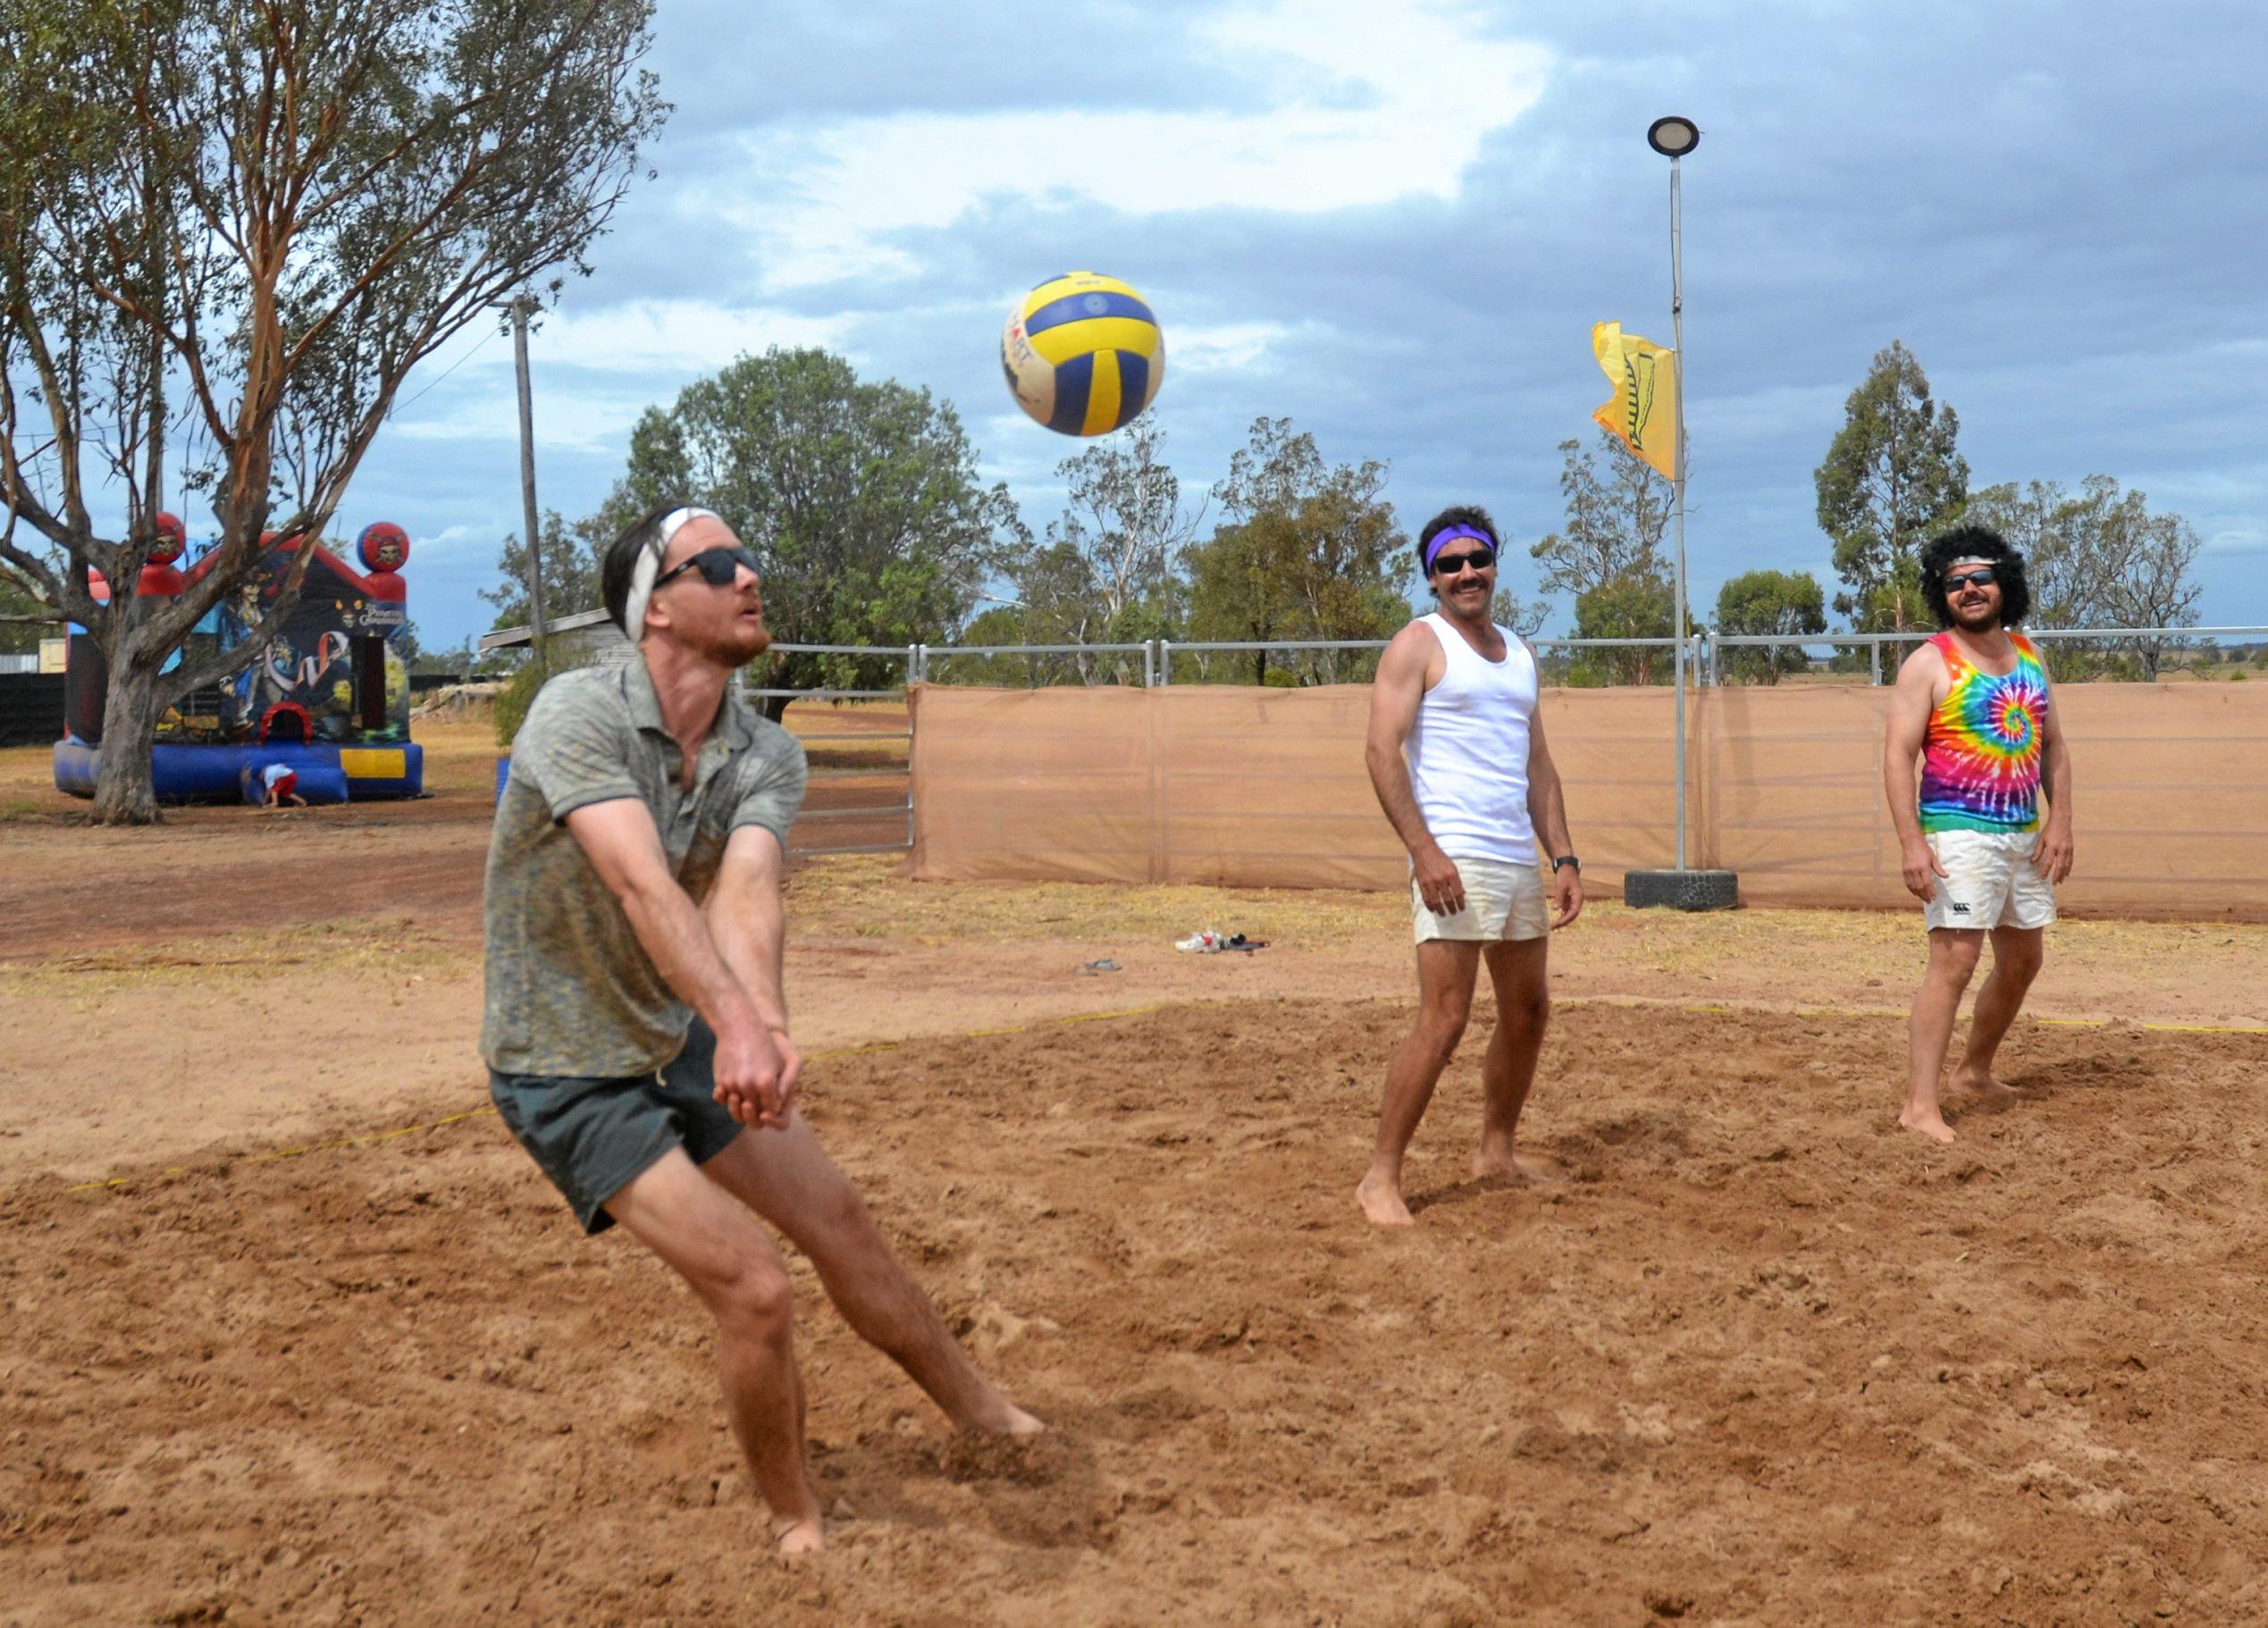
{"type": "Point", "coordinates": [571, 991]}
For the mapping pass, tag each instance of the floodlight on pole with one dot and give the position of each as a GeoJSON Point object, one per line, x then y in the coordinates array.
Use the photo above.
{"type": "Point", "coordinates": [1673, 138]}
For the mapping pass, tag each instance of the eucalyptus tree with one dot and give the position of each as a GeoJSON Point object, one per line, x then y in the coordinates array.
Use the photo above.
{"type": "Point", "coordinates": [1109, 572]}
{"type": "Point", "coordinates": [228, 229]}
{"type": "Point", "coordinates": [1607, 555]}
{"type": "Point", "coordinates": [1306, 550]}
{"type": "Point", "coordinates": [860, 498]}
{"type": "Point", "coordinates": [1891, 477]}
{"type": "Point", "coordinates": [2098, 558]}
{"type": "Point", "coordinates": [1768, 602]}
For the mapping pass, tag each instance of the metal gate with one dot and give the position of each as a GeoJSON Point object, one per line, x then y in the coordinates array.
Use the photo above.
{"type": "Point", "coordinates": [840, 799]}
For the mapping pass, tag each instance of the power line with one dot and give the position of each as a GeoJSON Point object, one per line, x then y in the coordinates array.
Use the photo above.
{"type": "Point", "coordinates": [451, 368]}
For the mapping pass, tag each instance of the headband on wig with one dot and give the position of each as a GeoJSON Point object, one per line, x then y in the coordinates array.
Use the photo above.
{"type": "Point", "coordinates": [1450, 533]}
{"type": "Point", "coordinates": [649, 567]}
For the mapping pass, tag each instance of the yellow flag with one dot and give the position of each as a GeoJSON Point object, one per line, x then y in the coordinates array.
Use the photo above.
{"type": "Point", "coordinates": [1643, 409]}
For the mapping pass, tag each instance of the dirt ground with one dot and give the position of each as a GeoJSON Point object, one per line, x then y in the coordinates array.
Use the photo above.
{"type": "Point", "coordinates": [294, 1334]}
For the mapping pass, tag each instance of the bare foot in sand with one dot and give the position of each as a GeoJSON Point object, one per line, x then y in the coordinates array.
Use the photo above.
{"type": "Point", "coordinates": [1381, 1197]}
{"type": "Point", "coordinates": [1981, 1081]}
{"type": "Point", "coordinates": [801, 1537]}
{"type": "Point", "coordinates": [1015, 1422]}
{"type": "Point", "coordinates": [1494, 1164]}
{"type": "Point", "coordinates": [1929, 1122]}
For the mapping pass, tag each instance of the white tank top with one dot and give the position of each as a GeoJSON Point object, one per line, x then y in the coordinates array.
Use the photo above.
{"type": "Point", "coordinates": [1468, 751]}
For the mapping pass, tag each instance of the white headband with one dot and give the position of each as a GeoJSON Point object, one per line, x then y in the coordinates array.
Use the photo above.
{"type": "Point", "coordinates": [649, 567]}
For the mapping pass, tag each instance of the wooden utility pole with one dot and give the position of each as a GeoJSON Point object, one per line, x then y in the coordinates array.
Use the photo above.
{"type": "Point", "coordinates": [520, 308]}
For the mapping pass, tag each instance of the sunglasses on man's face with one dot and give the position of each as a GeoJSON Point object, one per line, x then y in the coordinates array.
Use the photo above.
{"type": "Point", "coordinates": [717, 567]}
{"type": "Point", "coordinates": [1981, 577]}
{"type": "Point", "coordinates": [1449, 565]}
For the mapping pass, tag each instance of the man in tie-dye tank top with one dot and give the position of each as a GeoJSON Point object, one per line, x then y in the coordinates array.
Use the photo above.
{"type": "Point", "coordinates": [1985, 829]}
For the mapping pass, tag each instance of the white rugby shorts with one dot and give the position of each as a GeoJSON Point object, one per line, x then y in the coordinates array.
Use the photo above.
{"type": "Point", "coordinates": [1501, 902]}
{"type": "Point", "coordinates": [1990, 881]}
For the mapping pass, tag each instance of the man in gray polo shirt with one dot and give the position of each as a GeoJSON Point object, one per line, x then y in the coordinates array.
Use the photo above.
{"type": "Point", "coordinates": [635, 1025]}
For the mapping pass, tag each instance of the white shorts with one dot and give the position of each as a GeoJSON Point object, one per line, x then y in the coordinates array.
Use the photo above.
{"type": "Point", "coordinates": [1989, 882]}
{"type": "Point", "coordinates": [1500, 901]}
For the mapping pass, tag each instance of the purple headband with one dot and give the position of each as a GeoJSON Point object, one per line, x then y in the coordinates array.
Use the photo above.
{"type": "Point", "coordinates": [1450, 533]}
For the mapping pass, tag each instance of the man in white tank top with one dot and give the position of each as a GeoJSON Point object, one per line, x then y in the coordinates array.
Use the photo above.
{"type": "Point", "coordinates": [1457, 754]}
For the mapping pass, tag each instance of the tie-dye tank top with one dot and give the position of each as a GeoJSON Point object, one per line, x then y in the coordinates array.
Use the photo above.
{"type": "Point", "coordinates": [1980, 759]}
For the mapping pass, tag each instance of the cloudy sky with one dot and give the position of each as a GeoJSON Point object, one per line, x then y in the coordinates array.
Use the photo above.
{"type": "Point", "coordinates": [1395, 221]}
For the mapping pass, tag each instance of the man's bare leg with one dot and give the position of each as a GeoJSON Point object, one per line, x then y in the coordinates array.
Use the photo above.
{"type": "Point", "coordinates": [787, 1178]}
{"type": "Point", "coordinates": [1445, 975]}
{"type": "Point", "coordinates": [1516, 969]}
{"type": "Point", "coordinates": [2017, 955]}
{"type": "Point", "coordinates": [1952, 958]}
{"type": "Point", "coordinates": [724, 1257]}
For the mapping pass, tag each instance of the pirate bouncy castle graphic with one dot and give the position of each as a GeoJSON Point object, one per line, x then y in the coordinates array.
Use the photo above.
{"type": "Point", "coordinates": [334, 663]}
{"type": "Point", "coordinates": [328, 697]}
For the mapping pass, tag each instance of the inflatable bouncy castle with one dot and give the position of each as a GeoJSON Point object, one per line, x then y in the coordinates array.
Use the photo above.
{"type": "Point", "coordinates": [328, 699]}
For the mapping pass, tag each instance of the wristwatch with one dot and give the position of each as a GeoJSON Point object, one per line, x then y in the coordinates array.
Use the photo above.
{"type": "Point", "coordinates": [1567, 859]}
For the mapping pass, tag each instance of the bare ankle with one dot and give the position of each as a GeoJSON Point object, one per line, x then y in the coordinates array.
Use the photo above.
{"type": "Point", "coordinates": [1379, 1194]}
{"type": "Point", "coordinates": [802, 1535]}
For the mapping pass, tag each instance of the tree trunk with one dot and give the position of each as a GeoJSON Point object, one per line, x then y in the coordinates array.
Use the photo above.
{"type": "Point", "coordinates": [124, 795]}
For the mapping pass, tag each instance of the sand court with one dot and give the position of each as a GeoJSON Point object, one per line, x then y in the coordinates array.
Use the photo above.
{"type": "Point", "coordinates": [294, 1334]}
{"type": "Point", "coordinates": [1755, 1355]}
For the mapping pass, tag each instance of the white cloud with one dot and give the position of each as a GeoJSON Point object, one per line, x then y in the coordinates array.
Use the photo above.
{"type": "Point", "coordinates": [1224, 347]}
{"type": "Point", "coordinates": [676, 336]}
{"type": "Point", "coordinates": [1360, 102]}
{"type": "Point", "coordinates": [655, 346]}
{"type": "Point", "coordinates": [567, 420]}
{"type": "Point", "coordinates": [642, 336]}
{"type": "Point", "coordinates": [1761, 415]}
{"type": "Point", "coordinates": [451, 540]}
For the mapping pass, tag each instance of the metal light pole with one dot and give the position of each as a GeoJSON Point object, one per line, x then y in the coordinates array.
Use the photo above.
{"type": "Point", "coordinates": [1673, 138]}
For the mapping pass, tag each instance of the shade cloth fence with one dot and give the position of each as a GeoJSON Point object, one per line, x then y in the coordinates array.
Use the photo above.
{"type": "Point", "coordinates": [1245, 786]}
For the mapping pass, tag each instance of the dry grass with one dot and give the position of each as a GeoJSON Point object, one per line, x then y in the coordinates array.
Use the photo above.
{"type": "Point", "coordinates": [460, 755]}
{"type": "Point", "coordinates": [1790, 958]}
{"type": "Point", "coordinates": [867, 896]}
{"type": "Point", "coordinates": [26, 773]}
{"type": "Point", "coordinates": [1770, 954]}
{"type": "Point", "coordinates": [1834, 960]}
{"type": "Point", "coordinates": [358, 951]}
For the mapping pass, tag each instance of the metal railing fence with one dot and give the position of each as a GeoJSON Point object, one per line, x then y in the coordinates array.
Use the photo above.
{"type": "Point", "coordinates": [1147, 649]}
{"type": "Point", "coordinates": [1705, 648]}
{"type": "Point", "coordinates": [2156, 642]}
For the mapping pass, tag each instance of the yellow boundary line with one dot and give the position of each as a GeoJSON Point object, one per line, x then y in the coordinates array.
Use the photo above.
{"type": "Point", "coordinates": [276, 1155]}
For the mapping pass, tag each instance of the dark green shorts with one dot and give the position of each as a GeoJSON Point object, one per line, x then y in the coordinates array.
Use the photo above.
{"type": "Point", "coordinates": [592, 1137]}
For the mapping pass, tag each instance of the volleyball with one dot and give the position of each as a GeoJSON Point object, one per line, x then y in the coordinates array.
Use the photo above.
{"type": "Point", "coordinates": [1083, 353]}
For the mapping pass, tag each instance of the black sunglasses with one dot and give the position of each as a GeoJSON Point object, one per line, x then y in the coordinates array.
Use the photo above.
{"type": "Point", "coordinates": [1449, 565]}
{"type": "Point", "coordinates": [717, 567]}
{"type": "Point", "coordinates": [1982, 576]}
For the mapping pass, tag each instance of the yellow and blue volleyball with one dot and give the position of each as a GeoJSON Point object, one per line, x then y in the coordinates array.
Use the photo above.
{"type": "Point", "coordinates": [1083, 353]}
